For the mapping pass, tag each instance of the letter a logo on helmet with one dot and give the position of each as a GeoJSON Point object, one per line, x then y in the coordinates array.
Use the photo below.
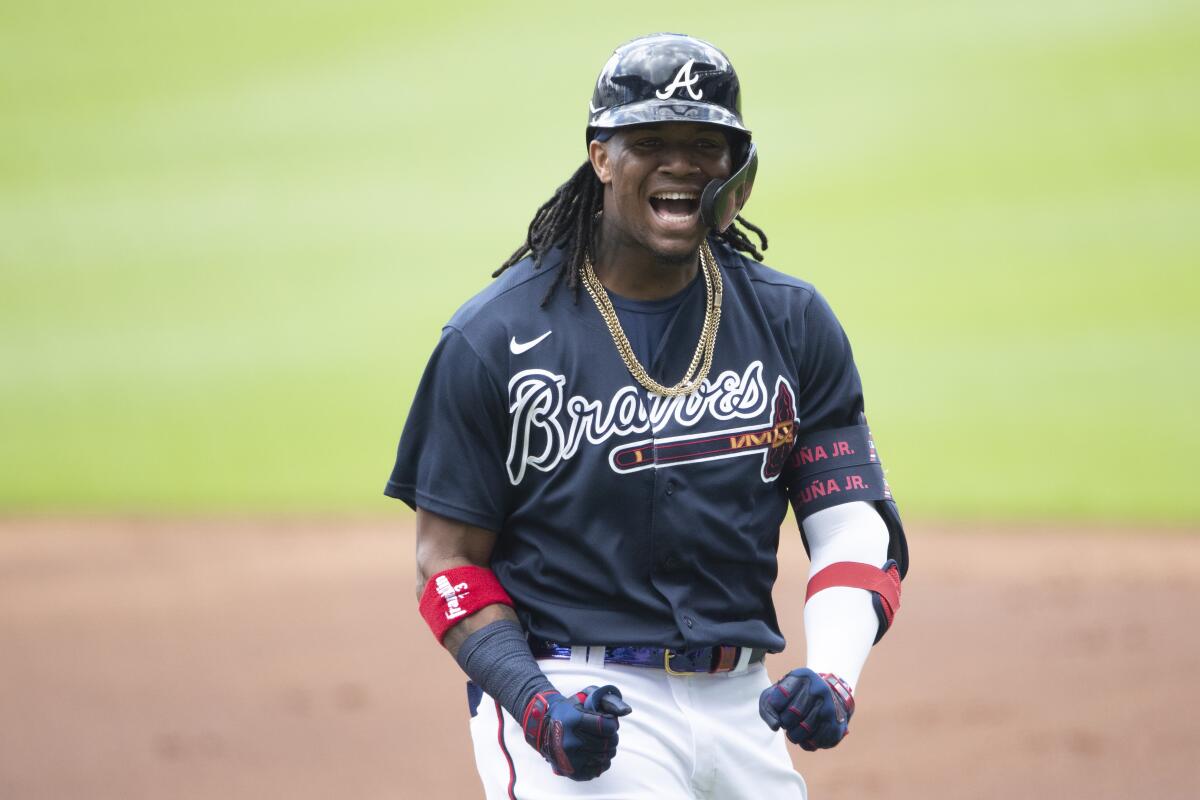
{"type": "Point", "coordinates": [683, 80]}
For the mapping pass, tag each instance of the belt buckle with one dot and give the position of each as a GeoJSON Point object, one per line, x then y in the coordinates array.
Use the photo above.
{"type": "Point", "coordinates": [667, 663]}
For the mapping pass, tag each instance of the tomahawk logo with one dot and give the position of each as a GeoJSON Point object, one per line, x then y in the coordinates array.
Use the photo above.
{"type": "Point", "coordinates": [453, 595]}
{"type": "Point", "coordinates": [684, 79]}
{"type": "Point", "coordinates": [774, 440]}
{"type": "Point", "coordinates": [549, 427]}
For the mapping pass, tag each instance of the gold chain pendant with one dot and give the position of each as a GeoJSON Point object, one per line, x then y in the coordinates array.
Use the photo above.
{"type": "Point", "coordinates": [698, 370]}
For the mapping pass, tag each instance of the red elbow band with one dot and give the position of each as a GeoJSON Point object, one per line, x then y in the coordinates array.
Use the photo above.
{"type": "Point", "coordinates": [883, 583]}
{"type": "Point", "coordinates": [454, 594]}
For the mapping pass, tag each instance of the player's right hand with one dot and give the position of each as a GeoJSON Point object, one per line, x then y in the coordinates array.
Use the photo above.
{"type": "Point", "coordinates": [577, 734]}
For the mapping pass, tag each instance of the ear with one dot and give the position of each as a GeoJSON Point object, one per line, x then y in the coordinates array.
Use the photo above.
{"type": "Point", "coordinates": [598, 155]}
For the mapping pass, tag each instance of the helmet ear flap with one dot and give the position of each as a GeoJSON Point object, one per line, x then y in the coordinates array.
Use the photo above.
{"type": "Point", "coordinates": [723, 200]}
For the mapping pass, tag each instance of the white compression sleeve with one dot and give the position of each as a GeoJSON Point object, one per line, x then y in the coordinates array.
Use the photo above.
{"type": "Point", "coordinates": [839, 622]}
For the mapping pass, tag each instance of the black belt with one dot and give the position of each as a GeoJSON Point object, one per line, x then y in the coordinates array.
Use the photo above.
{"type": "Point", "coordinates": [710, 660]}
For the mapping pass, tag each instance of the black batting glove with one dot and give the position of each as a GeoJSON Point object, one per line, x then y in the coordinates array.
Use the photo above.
{"type": "Point", "coordinates": [577, 734]}
{"type": "Point", "coordinates": [814, 709]}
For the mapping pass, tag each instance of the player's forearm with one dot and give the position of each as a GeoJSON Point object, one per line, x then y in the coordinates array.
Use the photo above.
{"type": "Point", "coordinates": [488, 643]}
{"type": "Point", "coordinates": [840, 622]}
{"type": "Point", "coordinates": [497, 658]}
{"type": "Point", "coordinates": [490, 647]}
{"type": "Point", "coordinates": [426, 569]}
{"type": "Point", "coordinates": [445, 544]}
{"type": "Point", "coordinates": [454, 638]}
{"type": "Point", "coordinates": [477, 621]}
{"type": "Point", "coordinates": [840, 627]}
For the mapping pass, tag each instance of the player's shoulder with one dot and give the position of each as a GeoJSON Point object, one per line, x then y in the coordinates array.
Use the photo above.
{"type": "Point", "coordinates": [772, 286]}
{"type": "Point", "coordinates": [510, 296]}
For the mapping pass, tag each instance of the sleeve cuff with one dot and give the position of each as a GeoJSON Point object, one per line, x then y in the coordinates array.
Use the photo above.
{"type": "Point", "coordinates": [415, 499]}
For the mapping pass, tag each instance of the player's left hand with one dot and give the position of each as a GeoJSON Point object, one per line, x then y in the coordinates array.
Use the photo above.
{"type": "Point", "coordinates": [813, 708]}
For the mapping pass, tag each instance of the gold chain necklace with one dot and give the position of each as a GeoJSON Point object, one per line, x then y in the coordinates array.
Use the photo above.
{"type": "Point", "coordinates": [697, 371]}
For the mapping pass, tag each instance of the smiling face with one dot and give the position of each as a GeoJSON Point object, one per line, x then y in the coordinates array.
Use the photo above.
{"type": "Point", "coordinates": [653, 176]}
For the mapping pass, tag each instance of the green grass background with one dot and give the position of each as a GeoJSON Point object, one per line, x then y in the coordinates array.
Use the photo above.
{"type": "Point", "coordinates": [230, 233]}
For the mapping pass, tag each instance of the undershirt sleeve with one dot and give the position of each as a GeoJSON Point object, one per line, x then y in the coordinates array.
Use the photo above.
{"type": "Point", "coordinates": [450, 459]}
{"type": "Point", "coordinates": [840, 624]}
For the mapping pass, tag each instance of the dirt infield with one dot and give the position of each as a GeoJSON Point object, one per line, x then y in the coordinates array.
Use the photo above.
{"type": "Point", "coordinates": [253, 660]}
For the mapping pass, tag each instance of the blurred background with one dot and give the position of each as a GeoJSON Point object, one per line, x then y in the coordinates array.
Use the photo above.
{"type": "Point", "coordinates": [230, 233]}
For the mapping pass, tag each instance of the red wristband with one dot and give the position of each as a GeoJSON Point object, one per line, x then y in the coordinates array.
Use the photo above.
{"type": "Point", "coordinates": [454, 594]}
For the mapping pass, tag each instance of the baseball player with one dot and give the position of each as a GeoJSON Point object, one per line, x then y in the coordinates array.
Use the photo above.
{"type": "Point", "coordinates": [601, 452]}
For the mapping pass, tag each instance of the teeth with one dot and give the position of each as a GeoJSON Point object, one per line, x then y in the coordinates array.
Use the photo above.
{"type": "Point", "coordinates": [675, 196]}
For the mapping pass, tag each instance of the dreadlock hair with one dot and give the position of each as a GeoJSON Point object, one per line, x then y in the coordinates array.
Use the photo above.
{"type": "Point", "coordinates": [569, 217]}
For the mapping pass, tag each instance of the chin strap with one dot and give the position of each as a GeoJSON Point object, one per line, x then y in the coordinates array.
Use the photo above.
{"type": "Point", "coordinates": [722, 201]}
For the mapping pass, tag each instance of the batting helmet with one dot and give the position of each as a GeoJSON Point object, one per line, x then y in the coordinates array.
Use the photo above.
{"type": "Point", "coordinates": [670, 77]}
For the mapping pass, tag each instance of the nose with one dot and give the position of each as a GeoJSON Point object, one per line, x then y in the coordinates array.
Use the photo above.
{"type": "Point", "coordinates": [678, 160]}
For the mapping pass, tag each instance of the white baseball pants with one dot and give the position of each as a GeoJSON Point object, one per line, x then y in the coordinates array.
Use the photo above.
{"type": "Point", "coordinates": [691, 737]}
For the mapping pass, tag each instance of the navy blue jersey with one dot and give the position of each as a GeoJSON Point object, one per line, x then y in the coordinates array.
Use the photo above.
{"type": "Point", "coordinates": [625, 518]}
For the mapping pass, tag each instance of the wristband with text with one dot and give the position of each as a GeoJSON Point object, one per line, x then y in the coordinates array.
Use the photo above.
{"type": "Point", "coordinates": [454, 594]}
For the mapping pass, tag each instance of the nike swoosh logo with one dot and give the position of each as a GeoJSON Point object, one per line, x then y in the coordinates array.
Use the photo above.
{"type": "Point", "coordinates": [520, 347]}
{"type": "Point", "coordinates": [593, 109]}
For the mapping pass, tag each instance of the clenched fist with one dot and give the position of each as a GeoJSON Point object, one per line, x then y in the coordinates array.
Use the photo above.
{"type": "Point", "coordinates": [576, 734]}
{"type": "Point", "coordinates": [813, 708]}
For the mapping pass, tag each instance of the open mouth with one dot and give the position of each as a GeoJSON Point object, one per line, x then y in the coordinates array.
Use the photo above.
{"type": "Point", "coordinates": [675, 206]}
